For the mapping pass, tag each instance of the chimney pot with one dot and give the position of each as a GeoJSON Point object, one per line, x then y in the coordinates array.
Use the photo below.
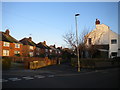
{"type": "Point", "coordinates": [97, 22]}
{"type": "Point", "coordinates": [30, 38]}
{"type": "Point", "coordinates": [7, 32]}
{"type": "Point", "coordinates": [44, 42]}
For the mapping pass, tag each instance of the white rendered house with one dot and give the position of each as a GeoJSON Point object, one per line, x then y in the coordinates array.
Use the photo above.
{"type": "Point", "coordinates": [102, 35]}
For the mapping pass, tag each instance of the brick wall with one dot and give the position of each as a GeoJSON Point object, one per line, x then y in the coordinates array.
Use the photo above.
{"type": "Point", "coordinates": [11, 49]}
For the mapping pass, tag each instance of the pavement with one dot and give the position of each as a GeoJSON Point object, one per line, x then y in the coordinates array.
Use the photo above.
{"type": "Point", "coordinates": [52, 69]}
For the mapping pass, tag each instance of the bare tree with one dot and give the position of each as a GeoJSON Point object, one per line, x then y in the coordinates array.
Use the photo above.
{"type": "Point", "coordinates": [82, 41]}
{"type": "Point", "coordinates": [70, 39]}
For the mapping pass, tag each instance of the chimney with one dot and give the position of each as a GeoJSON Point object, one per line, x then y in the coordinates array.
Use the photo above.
{"type": "Point", "coordinates": [30, 38]}
{"type": "Point", "coordinates": [54, 45]}
{"type": "Point", "coordinates": [44, 42]}
{"type": "Point", "coordinates": [97, 22]}
{"type": "Point", "coordinates": [7, 32]}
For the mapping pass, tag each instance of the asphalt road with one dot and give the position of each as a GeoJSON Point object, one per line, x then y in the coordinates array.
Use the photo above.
{"type": "Point", "coordinates": [55, 78]}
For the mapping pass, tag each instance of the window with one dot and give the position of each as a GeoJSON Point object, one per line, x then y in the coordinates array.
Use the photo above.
{"type": "Point", "coordinates": [6, 44]}
{"type": "Point", "coordinates": [31, 54]}
{"type": "Point", "coordinates": [113, 41]}
{"type": "Point", "coordinates": [114, 53]}
{"type": "Point", "coordinates": [59, 52]}
{"type": "Point", "coordinates": [56, 52]}
{"type": "Point", "coordinates": [37, 54]}
{"type": "Point", "coordinates": [50, 50]}
{"type": "Point", "coordinates": [46, 50]}
{"type": "Point", "coordinates": [5, 52]}
{"type": "Point", "coordinates": [16, 52]}
{"type": "Point", "coordinates": [89, 40]}
{"type": "Point", "coordinates": [17, 45]}
{"type": "Point", "coordinates": [38, 49]}
{"type": "Point", "coordinates": [31, 47]}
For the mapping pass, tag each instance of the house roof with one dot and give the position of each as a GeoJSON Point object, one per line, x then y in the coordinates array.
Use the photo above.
{"type": "Point", "coordinates": [53, 47]}
{"type": "Point", "coordinates": [42, 45]}
{"type": "Point", "coordinates": [27, 41]}
{"type": "Point", "coordinates": [8, 38]}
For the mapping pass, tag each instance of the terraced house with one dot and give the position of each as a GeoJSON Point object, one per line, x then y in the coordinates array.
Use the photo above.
{"type": "Point", "coordinates": [42, 49]}
{"type": "Point", "coordinates": [55, 51]}
{"type": "Point", "coordinates": [25, 47]}
{"type": "Point", "coordinates": [28, 48]}
{"type": "Point", "coordinates": [9, 46]}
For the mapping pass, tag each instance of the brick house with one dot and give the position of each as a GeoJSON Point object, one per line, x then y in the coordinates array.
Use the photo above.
{"type": "Point", "coordinates": [55, 51]}
{"type": "Point", "coordinates": [42, 49]}
{"type": "Point", "coordinates": [9, 46]}
{"type": "Point", "coordinates": [28, 47]}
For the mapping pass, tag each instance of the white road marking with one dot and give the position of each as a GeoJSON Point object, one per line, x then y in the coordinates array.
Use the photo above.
{"type": "Point", "coordinates": [14, 79]}
{"type": "Point", "coordinates": [28, 78]}
{"type": "Point", "coordinates": [39, 76]}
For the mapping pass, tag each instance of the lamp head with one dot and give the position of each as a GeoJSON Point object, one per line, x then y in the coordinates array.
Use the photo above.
{"type": "Point", "coordinates": [77, 14]}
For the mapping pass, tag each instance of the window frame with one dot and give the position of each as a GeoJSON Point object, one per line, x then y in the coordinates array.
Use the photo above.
{"type": "Point", "coordinates": [113, 41]}
{"type": "Point", "coordinates": [114, 54]}
{"type": "Point", "coordinates": [46, 50]}
{"type": "Point", "coordinates": [6, 44]}
{"type": "Point", "coordinates": [6, 53]}
{"type": "Point", "coordinates": [31, 54]}
{"type": "Point", "coordinates": [17, 45]}
{"type": "Point", "coordinates": [18, 52]}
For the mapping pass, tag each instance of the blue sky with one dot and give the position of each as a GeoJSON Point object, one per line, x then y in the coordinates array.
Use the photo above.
{"type": "Point", "coordinates": [48, 21]}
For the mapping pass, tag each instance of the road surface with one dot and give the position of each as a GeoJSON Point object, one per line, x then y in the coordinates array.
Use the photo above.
{"type": "Point", "coordinates": [60, 78]}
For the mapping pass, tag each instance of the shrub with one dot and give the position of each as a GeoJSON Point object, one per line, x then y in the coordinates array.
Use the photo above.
{"type": "Point", "coordinates": [6, 62]}
{"type": "Point", "coordinates": [17, 55]}
{"type": "Point", "coordinates": [89, 63]}
{"type": "Point", "coordinates": [42, 55]}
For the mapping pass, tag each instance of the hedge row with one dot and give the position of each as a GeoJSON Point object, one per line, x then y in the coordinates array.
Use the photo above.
{"type": "Point", "coordinates": [6, 62]}
{"type": "Point", "coordinates": [96, 62]}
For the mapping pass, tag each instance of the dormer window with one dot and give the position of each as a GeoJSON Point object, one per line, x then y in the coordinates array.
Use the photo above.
{"type": "Point", "coordinates": [6, 44]}
{"type": "Point", "coordinates": [17, 45]}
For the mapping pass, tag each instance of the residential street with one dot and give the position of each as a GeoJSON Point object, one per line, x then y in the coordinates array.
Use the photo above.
{"type": "Point", "coordinates": [61, 76]}
{"type": "Point", "coordinates": [59, 44]}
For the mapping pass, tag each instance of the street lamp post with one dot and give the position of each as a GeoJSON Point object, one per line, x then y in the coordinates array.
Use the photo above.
{"type": "Point", "coordinates": [77, 41]}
